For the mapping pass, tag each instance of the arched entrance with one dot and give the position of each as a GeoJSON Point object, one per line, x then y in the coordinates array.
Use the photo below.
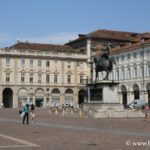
{"type": "Point", "coordinates": [55, 97]}
{"type": "Point", "coordinates": [69, 97]}
{"type": "Point", "coordinates": [8, 98]}
{"type": "Point", "coordinates": [148, 92]}
{"type": "Point", "coordinates": [81, 96]}
{"type": "Point", "coordinates": [124, 95]}
{"type": "Point", "coordinates": [39, 98]}
{"type": "Point", "coordinates": [136, 91]}
{"type": "Point", "coordinates": [22, 97]}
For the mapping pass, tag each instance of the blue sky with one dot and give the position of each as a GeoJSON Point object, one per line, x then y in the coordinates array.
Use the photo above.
{"type": "Point", "coordinates": [58, 21]}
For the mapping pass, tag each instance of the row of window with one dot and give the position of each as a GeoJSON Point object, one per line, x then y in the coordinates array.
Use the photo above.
{"type": "Point", "coordinates": [31, 62]}
{"type": "Point", "coordinates": [133, 55]}
{"type": "Point", "coordinates": [31, 78]}
{"type": "Point", "coordinates": [128, 73]}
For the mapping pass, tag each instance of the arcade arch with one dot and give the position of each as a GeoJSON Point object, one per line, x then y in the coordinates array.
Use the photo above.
{"type": "Point", "coordinates": [39, 97]}
{"type": "Point", "coordinates": [136, 91]}
{"type": "Point", "coordinates": [81, 96]}
{"type": "Point", "coordinates": [124, 95]}
{"type": "Point", "coordinates": [7, 98]}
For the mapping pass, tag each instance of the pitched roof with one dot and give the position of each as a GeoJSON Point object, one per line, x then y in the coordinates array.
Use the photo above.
{"type": "Point", "coordinates": [113, 35]}
{"type": "Point", "coordinates": [116, 35]}
{"type": "Point", "coordinates": [130, 46]}
{"type": "Point", "coordinates": [43, 47]}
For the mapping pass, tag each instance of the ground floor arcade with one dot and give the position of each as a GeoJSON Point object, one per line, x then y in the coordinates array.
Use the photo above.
{"type": "Point", "coordinates": [13, 97]}
{"type": "Point", "coordinates": [129, 92]}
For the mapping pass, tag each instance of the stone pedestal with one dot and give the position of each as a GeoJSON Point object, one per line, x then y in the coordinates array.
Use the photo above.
{"type": "Point", "coordinates": [102, 95]}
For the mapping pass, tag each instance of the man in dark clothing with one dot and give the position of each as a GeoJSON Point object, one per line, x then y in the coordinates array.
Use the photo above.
{"type": "Point", "coordinates": [26, 111]}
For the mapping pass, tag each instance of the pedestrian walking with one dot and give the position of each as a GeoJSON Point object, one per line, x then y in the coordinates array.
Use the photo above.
{"type": "Point", "coordinates": [32, 112]}
{"type": "Point", "coordinates": [146, 110]}
{"type": "Point", "coordinates": [26, 115]}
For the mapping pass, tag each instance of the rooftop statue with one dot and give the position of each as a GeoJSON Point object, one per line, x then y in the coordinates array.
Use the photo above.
{"type": "Point", "coordinates": [103, 62]}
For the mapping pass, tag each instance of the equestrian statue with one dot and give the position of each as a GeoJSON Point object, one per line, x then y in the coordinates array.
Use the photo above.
{"type": "Point", "coordinates": [104, 63]}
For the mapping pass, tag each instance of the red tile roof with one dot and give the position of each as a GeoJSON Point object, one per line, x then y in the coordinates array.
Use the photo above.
{"type": "Point", "coordinates": [128, 47]}
{"type": "Point", "coordinates": [43, 47]}
{"type": "Point", "coordinates": [112, 35]}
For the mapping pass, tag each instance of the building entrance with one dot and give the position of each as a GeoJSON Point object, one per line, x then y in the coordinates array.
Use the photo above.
{"type": "Point", "coordinates": [8, 98]}
{"type": "Point", "coordinates": [81, 96]}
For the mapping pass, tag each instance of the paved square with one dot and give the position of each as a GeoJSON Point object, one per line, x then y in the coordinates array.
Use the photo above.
{"type": "Point", "coordinates": [51, 132]}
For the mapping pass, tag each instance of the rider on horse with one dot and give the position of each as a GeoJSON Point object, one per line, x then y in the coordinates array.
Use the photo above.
{"type": "Point", "coordinates": [103, 63]}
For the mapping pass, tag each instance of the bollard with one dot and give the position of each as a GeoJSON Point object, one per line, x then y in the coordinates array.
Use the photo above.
{"type": "Point", "coordinates": [71, 112]}
{"type": "Point", "coordinates": [56, 112]}
{"type": "Point", "coordinates": [63, 112]}
{"type": "Point", "coordinates": [80, 113]}
{"type": "Point", "coordinates": [49, 111]}
{"type": "Point", "coordinates": [90, 113]}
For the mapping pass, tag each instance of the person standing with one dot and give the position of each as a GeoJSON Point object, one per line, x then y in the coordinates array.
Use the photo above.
{"type": "Point", "coordinates": [32, 113]}
{"type": "Point", "coordinates": [26, 115]}
{"type": "Point", "coordinates": [146, 110]}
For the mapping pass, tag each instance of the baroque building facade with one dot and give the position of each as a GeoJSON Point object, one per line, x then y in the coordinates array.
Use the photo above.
{"type": "Point", "coordinates": [53, 75]}
{"type": "Point", "coordinates": [132, 70]}
{"type": "Point", "coordinates": [42, 74]}
{"type": "Point", "coordinates": [131, 52]}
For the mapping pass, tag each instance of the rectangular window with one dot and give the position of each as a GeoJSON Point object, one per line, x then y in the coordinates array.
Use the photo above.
{"type": "Point", "coordinates": [47, 78]}
{"type": "Point", "coordinates": [128, 56]}
{"type": "Point", "coordinates": [31, 78]}
{"type": "Point", "coordinates": [39, 63]}
{"type": "Point", "coordinates": [81, 65]}
{"type": "Point", "coordinates": [22, 78]}
{"type": "Point", "coordinates": [69, 65]}
{"type": "Point", "coordinates": [135, 55]}
{"type": "Point", "coordinates": [81, 79]}
{"type": "Point", "coordinates": [47, 63]}
{"type": "Point", "coordinates": [142, 71]}
{"type": "Point", "coordinates": [117, 74]}
{"type": "Point", "coordinates": [55, 78]}
{"type": "Point", "coordinates": [129, 73]}
{"type": "Point", "coordinates": [31, 62]}
{"type": "Point", "coordinates": [141, 53]}
{"type": "Point", "coordinates": [135, 73]}
{"type": "Point", "coordinates": [122, 57]}
{"type": "Point", "coordinates": [7, 77]}
{"type": "Point", "coordinates": [69, 79]}
{"type": "Point", "coordinates": [7, 61]}
{"type": "Point", "coordinates": [123, 74]}
{"type": "Point", "coordinates": [22, 62]}
{"type": "Point", "coordinates": [148, 71]}
{"type": "Point", "coordinates": [39, 78]}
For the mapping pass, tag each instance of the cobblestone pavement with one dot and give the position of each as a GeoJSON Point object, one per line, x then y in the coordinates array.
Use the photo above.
{"type": "Point", "coordinates": [50, 132]}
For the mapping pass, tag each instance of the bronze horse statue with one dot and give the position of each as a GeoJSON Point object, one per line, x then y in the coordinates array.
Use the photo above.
{"type": "Point", "coordinates": [103, 63]}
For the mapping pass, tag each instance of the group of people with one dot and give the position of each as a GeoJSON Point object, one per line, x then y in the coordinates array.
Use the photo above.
{"type": "Point", "coordinates": [28, 109]}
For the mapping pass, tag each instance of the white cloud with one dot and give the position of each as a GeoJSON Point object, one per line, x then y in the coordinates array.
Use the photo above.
{"type": "Point", "coordinates": [58, 38]}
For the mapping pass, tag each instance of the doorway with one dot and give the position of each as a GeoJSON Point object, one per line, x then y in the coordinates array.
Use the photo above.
{"type": "Point", "coordinates": [8, 98]}
{"type": "Point", "coordinates": [81, 96]}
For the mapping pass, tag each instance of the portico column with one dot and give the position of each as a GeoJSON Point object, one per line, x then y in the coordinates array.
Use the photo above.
{"type": "Point", "coordinates": [44, 102]}
{"type": "Point", "coordinates": [15, 100]}
{"type": "Point", "coordinates": [33, 99]}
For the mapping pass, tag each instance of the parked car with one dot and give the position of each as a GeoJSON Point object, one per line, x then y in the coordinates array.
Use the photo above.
{"type": "Point", "coordinates": [137, 103]}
